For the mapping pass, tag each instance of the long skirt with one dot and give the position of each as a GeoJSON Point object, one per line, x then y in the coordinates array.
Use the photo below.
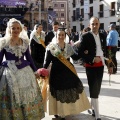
{"type": "Point", "coordinates": [20, 95]}
{"type": "Point", "coordinates": [54, 107]}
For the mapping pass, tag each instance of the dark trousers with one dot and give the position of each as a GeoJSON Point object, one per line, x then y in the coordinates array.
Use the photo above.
{"type": "Point", "coordinates": [113, 51]}
{"type": "Point", "coordinates": [94, 76]}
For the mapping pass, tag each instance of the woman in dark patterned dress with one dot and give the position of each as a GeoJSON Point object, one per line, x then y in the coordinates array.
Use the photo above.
{"type": "Point", "coordinates": [20, 95]}
{"type": "Point", "coordinates": [37, 45]}
{"type": "Point", "coordinates": [66, 91]}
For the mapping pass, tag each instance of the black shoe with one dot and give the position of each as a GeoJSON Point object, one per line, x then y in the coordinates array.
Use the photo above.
{"type": "Point", "coordinates": [98, 118]}
{"type": "Point", "coordinates": [56, 116]}
{"type": "Point", "coordinates": [93, 113]}
{"type": "Point", "coordinates": [63, 119]}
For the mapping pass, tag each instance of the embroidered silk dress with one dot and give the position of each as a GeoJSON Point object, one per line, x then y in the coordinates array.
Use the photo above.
{"type": "Point", "coordinates": [20, 96]}
{"type": "Point", "coordinates": [66, 92]}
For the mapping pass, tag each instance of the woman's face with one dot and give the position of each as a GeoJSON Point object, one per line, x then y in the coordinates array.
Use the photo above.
{"type": "Point", "coordinates": [61, 35]}
{"type": "Point", "coordinates": [40, 28]}
{"type": "Point", "coordinates": [15, 29]}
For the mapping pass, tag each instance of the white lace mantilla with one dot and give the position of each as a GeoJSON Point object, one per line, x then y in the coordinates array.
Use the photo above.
{"type": "Point", "coordinates": [38, 37]}
{"type": "Point", "coordinates": [55, 50]}
{"type": "Point", "coordinates": [17, 50]}
{"type": "Point", "coordinates": [23, 85]}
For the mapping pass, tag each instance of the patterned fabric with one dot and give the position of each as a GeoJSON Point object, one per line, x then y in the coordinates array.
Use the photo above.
{"type": "Point", "coordinates": [69, 95]}
{"type": "Point", "coordinates": [20, 103]}
{"type": "Point", "coordinates": [20, 95]}
{"type": "Point", "coordinates": [55, 50]}
{"type": "Point", "coordinates": [18, 50]}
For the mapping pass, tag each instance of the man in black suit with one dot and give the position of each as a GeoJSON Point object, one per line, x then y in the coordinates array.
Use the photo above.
{"type": "Point", "coordinates": [50, 35]}
{"type": "Point", "coordinates": [92, 50]}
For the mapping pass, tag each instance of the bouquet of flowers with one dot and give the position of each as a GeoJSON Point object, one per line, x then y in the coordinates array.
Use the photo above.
{"type": "Point", "coordinates": [43, 82]}
{"type": "Point", "coordinates": [43, 72]}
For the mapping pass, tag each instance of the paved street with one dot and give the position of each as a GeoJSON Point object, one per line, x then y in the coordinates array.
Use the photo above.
{"type": "Point", "coordinates": [109, 97]}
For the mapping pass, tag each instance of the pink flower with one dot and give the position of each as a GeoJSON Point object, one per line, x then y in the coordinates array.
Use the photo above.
{"type": "Point", "coordinates": [43, 72]}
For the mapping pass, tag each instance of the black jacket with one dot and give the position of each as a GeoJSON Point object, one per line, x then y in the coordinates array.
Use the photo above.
{"type": "Point", "coordinates": [88, 45]}
{"type": "Point", "coordinates": [48, 38]}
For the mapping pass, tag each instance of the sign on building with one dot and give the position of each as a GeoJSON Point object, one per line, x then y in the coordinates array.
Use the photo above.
{"type": "Point", "coordinates": [86, 6]}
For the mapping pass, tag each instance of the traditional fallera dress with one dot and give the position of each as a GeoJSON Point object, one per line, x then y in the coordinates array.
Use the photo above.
{"type": "Point", "coordinates": [20, 96]}
{"type": "Point", "coordinates": [66, 93]}
{"type": "Point", "coordinates": [37, 48]}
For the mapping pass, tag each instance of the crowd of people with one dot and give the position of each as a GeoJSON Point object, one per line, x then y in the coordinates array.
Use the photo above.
{"type": "Point", "coordinates": [20, 93]}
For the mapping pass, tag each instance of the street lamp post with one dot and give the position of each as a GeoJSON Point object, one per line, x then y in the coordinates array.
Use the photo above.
{"type": "Point", "coordinates": [39, 5]}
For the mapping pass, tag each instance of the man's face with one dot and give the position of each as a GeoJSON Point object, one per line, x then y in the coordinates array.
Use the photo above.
{"type": "Point", "coordinates": [94, 25]}
{"type": "Point", "coordinates": [55, 27]}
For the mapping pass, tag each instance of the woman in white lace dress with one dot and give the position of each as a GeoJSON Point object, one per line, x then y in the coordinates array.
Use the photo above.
{"type": "Point", "coordinates": [20, 96]}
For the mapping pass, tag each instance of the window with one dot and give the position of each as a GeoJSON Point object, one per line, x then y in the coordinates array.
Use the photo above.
{"type": "Point", "coordinates": [102, 26]}
{"type": "Point", "coordinates": [56, 14]}
{"type": "Point", "coordinates": [101, 13]}
{"type": "Point", "coordinates": [91, 12]}
{"type": "Point", "coordinates": [82, 2]}
{"type": "Point", "coordinates": [62, 5]}
{"type": "Point", "coordinates": [73, 17]}
{"type": "Point", "coordinates": [62, 15]}
{"type": "Point", "coordinates": [74, 28]}
{"type": "Point", "coordinates": [55, 5]}
{"type": "Point", "coordinates": [112, 10]}
{"type": "Point", "coordinates": [73, 3]}
{"type": "Point", "coordinates": [91, 1]}
{"type": "Point", "coordinates": [82, 13]}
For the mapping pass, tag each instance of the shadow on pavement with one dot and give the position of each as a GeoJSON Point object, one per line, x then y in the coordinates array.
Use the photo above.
{"type": "Point", "coordinates": [83, 116]}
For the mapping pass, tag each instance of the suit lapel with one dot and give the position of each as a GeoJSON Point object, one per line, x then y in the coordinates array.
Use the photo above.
{"type": "Point", "coordinates": [101, 39]}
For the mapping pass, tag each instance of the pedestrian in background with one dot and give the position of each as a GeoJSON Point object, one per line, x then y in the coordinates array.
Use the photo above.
{"type": "Point", "coordinates": [66, 91]}
{"type": "Point", "coordinates": [92, 50]}
{"type": "Point", "coordinates": [25, 26]}
{"type": "Point", "coordinates": [20, 95]}
{"type": "Point", "coordinates": [37, 45]}
{"type": "Point", "coordinates": [50, 35]}
{"type": "Point", "coordinates": [112, 44]}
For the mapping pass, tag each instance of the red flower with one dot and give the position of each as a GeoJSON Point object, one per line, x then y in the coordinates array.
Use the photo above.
{"type": "Point", "coordinates": [43, 72]}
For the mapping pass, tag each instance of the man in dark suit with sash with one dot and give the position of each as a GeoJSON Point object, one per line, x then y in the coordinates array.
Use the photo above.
{"type": "Point", "coordinates": [92, 50]}
{"type": "Point", "coordinates": [50, 35]}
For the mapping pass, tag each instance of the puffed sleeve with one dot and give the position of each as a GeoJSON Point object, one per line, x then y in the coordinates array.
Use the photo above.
{"type": "Point", "coordinates": [1, 55]}
{"type": "Point", "coordinates": [48, 59]}
{"type": "Point", "coordinates": [29, 58]}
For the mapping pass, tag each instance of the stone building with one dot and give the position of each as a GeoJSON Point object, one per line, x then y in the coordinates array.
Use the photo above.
{"type": "Point", "coordinates": [108, 11]}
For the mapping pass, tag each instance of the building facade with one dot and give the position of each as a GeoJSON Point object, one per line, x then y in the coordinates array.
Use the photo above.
{"type": "Point", "coordinates": [61, 9]}
{"type": "Point", "coordinates": [46, 12]}
{"type": "Point", "coordinates": [106, 10]}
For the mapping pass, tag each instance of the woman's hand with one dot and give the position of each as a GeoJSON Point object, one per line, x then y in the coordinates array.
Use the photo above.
{"type": "Point", "coordinates": [110, 70]}
{"type": "Point", "coordinates": [37, 75]}
{"type": "Point", "coordinates": [97, 59]}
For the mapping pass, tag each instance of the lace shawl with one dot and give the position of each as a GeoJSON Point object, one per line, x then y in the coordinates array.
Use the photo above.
{"type": "Point", "coordinates": [54, 49]}
{"type": "Point", "coordinates": [17, 50]}
{"type": "Point", "coordinates": [37, 37]}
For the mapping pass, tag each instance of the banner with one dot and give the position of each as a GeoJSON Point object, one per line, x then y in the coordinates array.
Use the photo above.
{"type": "Point", "coordinates": [13, 2]}
{"type": "Point", "coordinates": [17, 13]}
{"type": "Point", "coordinates": [51, 18]}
